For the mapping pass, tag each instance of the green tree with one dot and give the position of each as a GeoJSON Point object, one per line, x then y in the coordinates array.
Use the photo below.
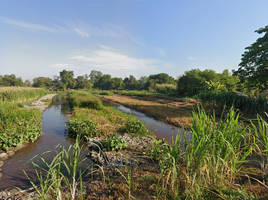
{"type": "Point", "coordinates": [142, 81]}
{"type": "Point", "coordinates": [105, 82]}
{"type": "Point", "coordinates": [253, 68]}
{"type": "Point", "coordinates": [11, 80]}
{"type": "Point", "coordinates": [67, 79]}
{"type": "Point", "coordinates": [116, 83]}
{"type": "Point", "coordinates": [42, 82]}
{"type": "Point", "coordinates": [83, 82]}
{"type": "Point", "coordinates": [162, 78]}
{"type": "Point", "coordinates": [95, 76]}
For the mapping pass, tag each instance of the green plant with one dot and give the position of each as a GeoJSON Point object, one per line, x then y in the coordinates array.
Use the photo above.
{"type": "Point", "coordinates": [54, 181]}
{"type": "Point", "coordinates": [87, 128]}
{"type": "Point", "coordinates": [136, 128]}
{"type": "Point", "coordinates": [113, 143]}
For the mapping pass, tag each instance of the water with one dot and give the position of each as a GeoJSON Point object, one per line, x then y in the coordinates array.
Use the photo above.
{"type": "Point", "coordinates": [160, 129]}
{"type": "Point", "coordinates": [53, 126]}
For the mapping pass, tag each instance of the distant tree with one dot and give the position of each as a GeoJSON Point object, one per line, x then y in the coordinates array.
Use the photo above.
{"type": "Point", "coordinates": [44, 82]}
{"type": "Point", "coordinates": [11, 80]}
{"type": "Point", "coordinates": [116, 83]}
{"type": "Point", "coordinates": [131, 83]}
{"type": "Point", "coordinates": [95, 76]}
{"type": "Point", "coordinates": [162, 78]}
{"type": "Point", "coordinates": [105, 82]}
{"type": "Point", "coordinates": [27, 83]}
{"type": "Point", "coordinates": [67, 79]}
{"type": "Point", "coordinates": [195, 80]}
{"type": "Point", "coordinates": [83, 82]}
{"type": "Point", "coordinates": [142, 81]}
{"type": "Point", "coordinates": [253, 68]}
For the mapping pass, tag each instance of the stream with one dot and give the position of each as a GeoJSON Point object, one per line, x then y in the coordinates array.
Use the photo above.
{"type": "Point", "coordinates": [53, 126]}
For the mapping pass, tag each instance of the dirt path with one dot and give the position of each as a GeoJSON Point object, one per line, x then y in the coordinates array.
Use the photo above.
{"type": "Point", "coordinates": [41, 105]}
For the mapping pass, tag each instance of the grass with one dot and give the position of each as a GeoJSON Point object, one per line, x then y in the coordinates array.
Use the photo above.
{"type": "Point", "coordinates": [20, 94]}
{"type": "Point", "coordinates": [18, 125]}
{"type": "Point", "coordinates": [95, 119]}
{"type": "Point", "coordinates": [244, 103]}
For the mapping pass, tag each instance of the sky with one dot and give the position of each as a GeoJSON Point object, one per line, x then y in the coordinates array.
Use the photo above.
{"type": "Point", "coordinates": [126, 37]}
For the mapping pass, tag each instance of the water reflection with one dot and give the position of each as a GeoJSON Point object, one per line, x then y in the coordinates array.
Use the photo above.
{"type": "Point", "coordinates": [160, 129]}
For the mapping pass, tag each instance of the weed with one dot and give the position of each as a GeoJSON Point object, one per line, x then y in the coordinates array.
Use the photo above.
{"type": "Point", "coordinates": [113, 143]}
{"type": "Point", "coordinates": [87, 128]}
{"type": "Point", "coordinates": [136, 128]}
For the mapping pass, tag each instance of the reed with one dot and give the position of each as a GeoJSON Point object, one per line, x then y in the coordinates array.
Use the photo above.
{"type": "Point", "coordinates": [20, 94]}
{"type": "Point", "coordinates": [238, 101]}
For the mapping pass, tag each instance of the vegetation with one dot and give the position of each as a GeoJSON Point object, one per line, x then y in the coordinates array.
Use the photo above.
{"type": "Point", "coordinates": [253, 68]}
{"type": "Point", "coordinates": [20, 94]}
{"type": "Point", "coordinates": [17, 124]}
{"type": "Point", "coordinates": [245, 104]}
{"type": "Point", "coordinates": [194, 81]}
{"type": "Point", "coordinates": [113, 143]}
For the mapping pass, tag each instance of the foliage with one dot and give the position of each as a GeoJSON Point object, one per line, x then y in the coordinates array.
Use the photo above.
{"type": "Point", "coordinates": [10, 80]}
{"type": "Point", "coordinates": [81, 99]}
{"type": "Point", "coordinates": [19, 94]}
{"type": "Point", "coordinates": [113, 143]}
{"type": "Point", "coordinates": [237, 100]}
{"type": "Point", "coordinates": [254, 63]}
{"type": "Point", "coordinates": [136, 128]}
{"type": "Point", "coordinates": [194, 81]}
{"type": "Point", "coordinates": [87, 128]}
{"type": "Point", "coordinates": [166, 88]}
{"type": "Point", "coordinates": [18, 125]}
{"type": "Point", "coordinates": [83, 82]}
{"type": "Point", "coordinates": [67, 79]}
{"type": "Point", "coordinates": [106, 93]}
{"type": "Point", "coordinates": [54, 181]}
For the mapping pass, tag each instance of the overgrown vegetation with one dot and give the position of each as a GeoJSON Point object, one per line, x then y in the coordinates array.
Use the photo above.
{"type": "Point", "coordinates": [244, 103]}
{"type": "Point", "coordinates": [18, 125]}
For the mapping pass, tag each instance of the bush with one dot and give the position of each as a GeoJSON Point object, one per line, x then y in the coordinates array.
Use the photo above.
{"type": "Point", "coordinates": [87, 128]}
{"type": "Point", "coordinates": [136, 128]}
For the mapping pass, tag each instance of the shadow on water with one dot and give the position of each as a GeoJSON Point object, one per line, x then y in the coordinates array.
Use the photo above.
{"type": "Point", "coordinates": [160, 129]}
{"type": "Point", "coordinates": [53, 126]}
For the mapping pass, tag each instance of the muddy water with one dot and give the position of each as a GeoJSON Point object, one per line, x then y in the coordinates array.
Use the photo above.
{"type": "Point", "coordinates": [160, 129]}
{"type": "Point", "coordinates": [53, 126]}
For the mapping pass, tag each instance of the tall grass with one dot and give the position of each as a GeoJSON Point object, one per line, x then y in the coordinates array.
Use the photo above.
{"type": "Point", "coordinates": [82, 99]}
{"type": "Point", "coordinates": [20, 94]}
{"type": "Point", "coordinates": [51, 179]}
{"type": "Point", "coordinates": [242, 102]}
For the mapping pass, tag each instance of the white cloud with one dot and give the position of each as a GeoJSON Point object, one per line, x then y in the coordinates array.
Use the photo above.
{"type": "Point", "coordinates": [82, 33]}
{"type": "Point", "coordinates": [191, 58]}
{"type": "Point", "coordinates": [28, 26]}
{"type": "Point", "coordinates": [107, 58]}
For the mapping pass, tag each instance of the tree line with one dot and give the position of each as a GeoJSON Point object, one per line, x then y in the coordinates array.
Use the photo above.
{"type": "Point", "coordinates": [251, 76]}
{"type": "Point", "coordinates": [188, 84]}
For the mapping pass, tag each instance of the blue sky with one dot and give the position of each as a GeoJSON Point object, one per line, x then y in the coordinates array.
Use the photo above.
{"type": "Point", "coordinates": [126, 37]}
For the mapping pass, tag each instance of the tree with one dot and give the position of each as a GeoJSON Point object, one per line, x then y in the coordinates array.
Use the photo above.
{"type": "Point", "coordinates": [82, 82]}
{"type": "Point", "coordinates": [95, 76]}
{"type": "Point", "coordinates": [143, 80]}
{"type": "Point", "coordinates": [105, 82]}
{"type": "Point", "coordinates": [253, 68]}
{"type": "Point", "coordinates": [67, 79]}
{"type": "Point", "coordinates": [162, 78]}
{"type": "Point", "coordinates": [116, 83]}
{"type": "Point", "coordinates": [11, 80]}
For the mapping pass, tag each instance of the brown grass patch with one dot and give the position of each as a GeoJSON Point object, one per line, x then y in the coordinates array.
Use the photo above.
{"type": "Point", "coordinates": [174, 111]}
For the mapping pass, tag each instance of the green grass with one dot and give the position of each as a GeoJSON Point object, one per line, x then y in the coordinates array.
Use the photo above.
{"type": "Point", "coordinates": [18, 125]}
{"type": "Point", "coordinates": [242, 102]}
{"type": "Point", "coordinates": [20, 94]}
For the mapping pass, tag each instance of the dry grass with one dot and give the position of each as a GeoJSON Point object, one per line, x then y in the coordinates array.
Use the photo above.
{"type": "Point", "coordinates": [174, 111]}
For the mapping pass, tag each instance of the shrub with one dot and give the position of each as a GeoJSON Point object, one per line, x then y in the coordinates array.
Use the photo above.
{"type": "Point", "coordinates": [136, 128]}
{"type": "Point", "coordinates": [87, 128]}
